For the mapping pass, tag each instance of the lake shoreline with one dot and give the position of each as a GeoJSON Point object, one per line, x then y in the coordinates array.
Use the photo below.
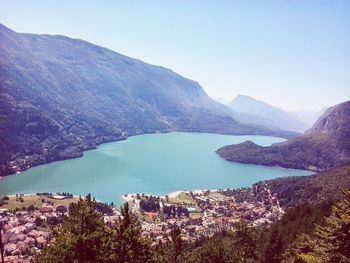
{"type": "Point", "coordinates": [173, 194]}
{"type": "Point", "coordinates": [152, 163]}
{"type": "Point", "coordinates": [124, 137]}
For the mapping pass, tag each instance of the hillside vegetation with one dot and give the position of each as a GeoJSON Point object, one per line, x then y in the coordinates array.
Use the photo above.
{"type": "Point", "coordinates": [306, 233]}
{"type": "Point", "coordinates": [324, 146]}
{"type": "Point", "coordinates": [60, 96]}
{"type": "Point", "coordinates": [315, 188]}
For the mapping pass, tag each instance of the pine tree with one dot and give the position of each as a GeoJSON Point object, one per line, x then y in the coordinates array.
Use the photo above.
{"type": "Point", "coordinates": [85, 238]}
{"type": "Point", "coordinates": [176, 243]}
{"type": "Point", "coordinates": [126, 242]}
{"type": "Point", "coordinates": [332, 239]}
{"type": "Point", "coordinates": [274, 247]}
{"type": "Point", "coordinates": [80, 238]}
{"type": "Point", "coordinates": [246, 243]}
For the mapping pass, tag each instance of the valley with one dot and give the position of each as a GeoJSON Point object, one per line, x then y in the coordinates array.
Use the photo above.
{"type": "Point", "coordinates": [125, 157]}
{"type": "Point", "coordinates": [153, 163]}
{"type": "Point", "coordinates": [61, 96]}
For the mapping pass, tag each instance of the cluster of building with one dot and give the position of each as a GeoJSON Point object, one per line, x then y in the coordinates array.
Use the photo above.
{"type": "Point", "coordinates": [20, 164]}
{"type": "Point", "coordinates": [26, 232]}
{"type": "Point", "coordinates": [211, 212]}
{"type": "Point", "coordinates": [206, 212]}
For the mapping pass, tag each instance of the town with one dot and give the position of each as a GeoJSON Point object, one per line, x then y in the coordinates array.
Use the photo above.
{"type": "Point", "coordinates": [26, 230]}
{"type": "Point", "coordinates": [203, 212]}
{"type": "Point", "coordinates": [27, 221]}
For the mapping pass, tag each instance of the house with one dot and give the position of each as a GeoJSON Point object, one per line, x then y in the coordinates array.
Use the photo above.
{"type": "Point", "coordinates": [61, 209]}
{"type": "Point", "coordinates": [9, 249]}
{"type": "Point", "coordinates": [151, 215]}
{"type": "Point", "coordinates": [58, 197]}
{"type": "Point", "coordinates": [46, 208]}
{"type": "Point", "coordinates": [40, 242]}
{"type": "Point", "coordinates": [22, 247]}
{"type": "Point", "coordinates": [4, 211]}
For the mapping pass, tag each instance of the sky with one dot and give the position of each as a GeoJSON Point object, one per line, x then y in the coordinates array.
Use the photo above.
{"type": "Point", "coordinates": [292, 54]}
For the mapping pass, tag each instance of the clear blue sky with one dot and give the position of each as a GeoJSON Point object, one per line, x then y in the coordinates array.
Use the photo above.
{"type": "Point", "coordinates": [293, 54]}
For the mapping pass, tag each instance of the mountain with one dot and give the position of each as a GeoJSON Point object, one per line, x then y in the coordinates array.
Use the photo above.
{"type": "Point", "coordinates": [295, 190]}
{"type": "Point", "coordinates": [60, 96]}
{"type": "Point", "coordinates": [221, 100]}
{"type": "Point", "coordinates": [273, 116]}
{"type": "Point", "coordinates": [324, 146]}
{"type": "Point", "coordinates": [247, 118]}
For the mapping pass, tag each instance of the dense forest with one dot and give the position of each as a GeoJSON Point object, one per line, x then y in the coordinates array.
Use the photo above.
{"type": "Point", "coordinates": [306, 233]}
{"type": "Point", "coordinates": [312, 188]}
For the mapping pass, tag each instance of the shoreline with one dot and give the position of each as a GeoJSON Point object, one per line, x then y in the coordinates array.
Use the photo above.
{"type": "Point", "coordinates": [35, 194]}
{"type": "Point", "coordinates": [129, 197]}
{"type": "Point", "coordinates": [125, 137]}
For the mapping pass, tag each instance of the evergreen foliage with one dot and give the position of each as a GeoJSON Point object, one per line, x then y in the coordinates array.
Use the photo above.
{"type": "Point", "coordinates": [81, 237]}
{"type": "Point", "coordinates": [125, 243]}
{"type": "Point", "coordinates": [331, 240]}
{"type": "Point", "coordinates": [85, 238]}
{"type": "Point", "coordinates": [306, 233]}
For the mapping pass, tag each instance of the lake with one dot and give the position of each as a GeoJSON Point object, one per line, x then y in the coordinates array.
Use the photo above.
{"type": "Point", "coordinates": [152, 163]}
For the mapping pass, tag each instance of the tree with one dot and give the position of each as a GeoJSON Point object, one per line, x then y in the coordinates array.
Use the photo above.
{"type": "Point", "coordinates": [274, 247]}
{"type": "Point", "coordinates": [246, 242]}
{"type": "Point", "coordinates": [213, 252]}
{"type": "Point", "coordinates": [125, 240]}
{"type": "Point", "coordinates": [176, 243]}
{"type": "Point", "coordinates": [81, 237]}
{"type": "Point", "coordinates": [331, 241]}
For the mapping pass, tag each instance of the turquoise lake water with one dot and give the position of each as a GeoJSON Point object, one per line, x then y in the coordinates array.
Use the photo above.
{"type": "Point", "coordinates": [153, 163]}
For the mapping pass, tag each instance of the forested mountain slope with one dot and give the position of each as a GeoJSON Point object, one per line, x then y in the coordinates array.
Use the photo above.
{"type": "Point", "coordinates": [60, 96]}
{"type": "Point", "coordinates": [324, 146]}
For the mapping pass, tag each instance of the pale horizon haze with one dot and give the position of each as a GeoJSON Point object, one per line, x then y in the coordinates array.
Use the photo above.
{"type": "Point", "coordinates": [291, 54]}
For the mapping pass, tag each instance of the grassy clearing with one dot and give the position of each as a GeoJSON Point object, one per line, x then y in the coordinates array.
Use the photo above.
{"type": "Point", "coordinates": [36, 201]}
{"type": "Point", "coordinates": [183, 198]}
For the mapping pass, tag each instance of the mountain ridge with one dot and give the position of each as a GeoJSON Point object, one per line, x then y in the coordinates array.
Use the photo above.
{"type": "Point", "coordinates": [272, 115]}
{"type": "Point", "coordinates": [61, 96]}
{"type": "Point", "coordinates": [296, 190]}
{"type": "Point", "coordinates": [324, 146]}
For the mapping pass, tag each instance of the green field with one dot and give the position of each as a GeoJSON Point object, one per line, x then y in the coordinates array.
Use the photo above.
{"type": "Point", "coordinates": [183, 198]}
{"type": "Point", "coordinates": [36, 201]}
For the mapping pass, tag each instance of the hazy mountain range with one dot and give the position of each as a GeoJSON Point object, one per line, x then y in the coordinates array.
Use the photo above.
{"type": "Point", "coordinates": [324, 146]}
{"type": "Point", "coordinates": [272, 116]}
{"type": "Point", "coordinates": [61, 96]}
{"type": "Point", "coordinates": [253, 111]}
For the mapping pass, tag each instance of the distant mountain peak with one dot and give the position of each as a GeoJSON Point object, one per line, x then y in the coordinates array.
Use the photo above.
{"type": "Point", "coordinates": [278, 117]}
{"type": "Point", "coordinates": [243, 96]}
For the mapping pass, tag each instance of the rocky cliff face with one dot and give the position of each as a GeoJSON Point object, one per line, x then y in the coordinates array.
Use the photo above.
{"type": "Point", "coordinates": [60, 96]}
{"type": "Point", "coordinates": [324, 146]}
{"type": "Point", "coordinates": [336, 120]}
